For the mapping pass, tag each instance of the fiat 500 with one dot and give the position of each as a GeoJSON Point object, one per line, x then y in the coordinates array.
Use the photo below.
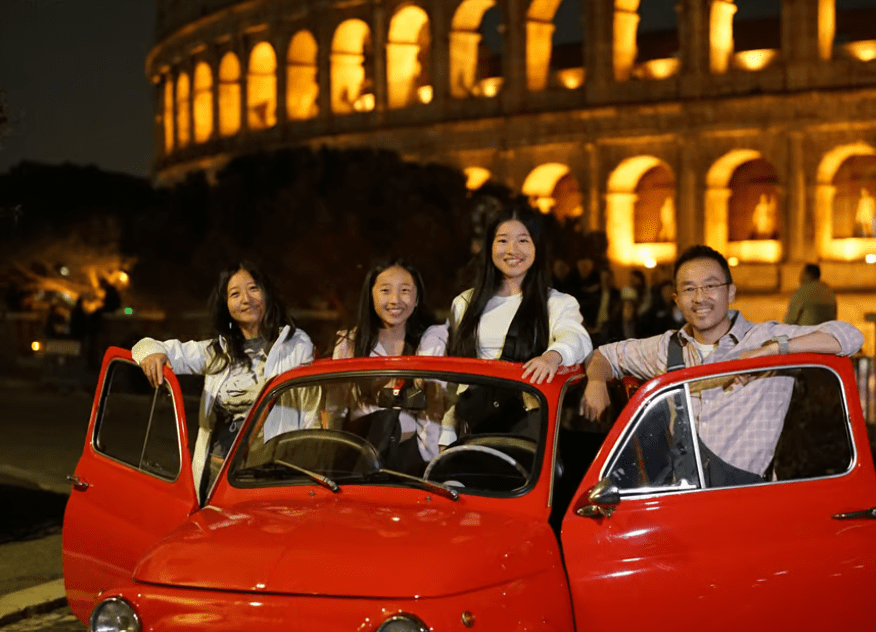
{"type": "Point", "coordinates": [411, 494]}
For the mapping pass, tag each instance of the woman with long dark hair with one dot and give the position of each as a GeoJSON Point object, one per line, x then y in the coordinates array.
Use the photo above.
{"type": "Point", "coordinates": [393, 316]}
{"type": "Point", "coordinates": [512, 313]}
{"type": "Point", "coordinates": [255, 339]}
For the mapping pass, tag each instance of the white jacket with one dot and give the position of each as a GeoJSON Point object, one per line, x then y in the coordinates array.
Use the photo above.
{"type": "Point", "coordinates": [193, 358]}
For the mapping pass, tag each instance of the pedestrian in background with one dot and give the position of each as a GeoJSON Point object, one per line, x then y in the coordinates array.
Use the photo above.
{"type": "Point", "coordinates": [814, 302]}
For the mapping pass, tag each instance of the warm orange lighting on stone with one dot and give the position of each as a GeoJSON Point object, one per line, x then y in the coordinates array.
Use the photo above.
{"type": "Point", "coordinates": [864, 50]}
{"type": "Point", "coordinates": [826, 28]}
{"type": "Point", "coordinates": [402, 55]}
{"type": "Point", "coordinates": [261, 87]}
{"type": "Point", "coordinates": [229, 95]}
{"type": "Point", "coordinates": [465, 40]}
{"type": "Point", "coordinates": [721, 35]}
{"type": "Point", "coordinates": [571, 78]}
{"type": "Point", "coordinates": [626, 24]}
{"type": "Point", "coordinates": [168, 116]}
{"type": "Point", "coordinates": [202, 105]}
{"type": "Point", "coordinates": [489, 87]}
{"type": "Point", "coordinates": [538, 52]}
{"type": "Point", "coordinates": [424, 93]}
{"type": "Point", "coordinates": [659, 68]}
{"type": "Point", "coordinates": [755, 59]}
{"type": "Point", "coordinates": [365, 103]}
{"type": "Point", "coordinates": [183, 110]}
{"type": "Point", "coordinates": [733, 262]}
{"type": "Point", "coordinates": [347, 69]}
{"type": "Point", "coordinates": [302, 87]}
{"type": "Point", "coordinates": [755, 250]}
{"type": "Point", "coordinates": [476, 177]}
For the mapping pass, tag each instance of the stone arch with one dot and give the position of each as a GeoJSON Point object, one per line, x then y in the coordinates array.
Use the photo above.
{"type": "Point", "coordinates": [751, 247]}
{"type": "Point", "coordinates": [168, 118]}
{"type": "Point", "coordinates": [351, 39]}
{"type": "Point", "coordinates": [183, 110]}
{"type": "Point", "coordinates": [552, 188]}
{"type": "Point", "coordinates": [621, 200]}
{"type": "Point", "coordinates": [465, 55]}
{"type": "Point", "coordinates": [229, 95]}
{"type": "Point", "coordinates": [261, 87]}
{"type": "Point", "coordinates": [833, 244]}
{"type": "Point", "coordinates": [302, 86]}
{"type": "Point", "coordinates": [408, 49]}
{"type": "Point", "coordinates": [202, 102]}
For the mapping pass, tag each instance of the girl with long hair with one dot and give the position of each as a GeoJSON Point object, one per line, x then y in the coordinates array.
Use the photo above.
{"type": "Point", "coordinates": [255, 339]}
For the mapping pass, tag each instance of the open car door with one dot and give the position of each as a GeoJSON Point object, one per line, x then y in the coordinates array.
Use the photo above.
{"type": "Point", "coordinates": [661, 534]}
{"type": "Point", "coordinates": [132, 484]}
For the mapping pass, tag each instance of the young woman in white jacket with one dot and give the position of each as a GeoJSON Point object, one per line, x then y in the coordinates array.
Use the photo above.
{"type": "Point", "coordinates": [255, 340]}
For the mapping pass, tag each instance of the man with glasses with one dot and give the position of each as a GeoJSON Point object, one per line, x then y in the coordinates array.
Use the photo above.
{"type": "Point", "coordinates": [745, 433]}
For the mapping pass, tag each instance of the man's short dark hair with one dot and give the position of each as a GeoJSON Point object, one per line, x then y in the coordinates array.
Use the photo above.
{"type": "Point", "coordinates": [812, 270]}
{"type": "Point", "coordinates": [702, 252]}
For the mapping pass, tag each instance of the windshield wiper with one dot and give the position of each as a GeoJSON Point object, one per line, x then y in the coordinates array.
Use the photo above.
{"type": "Point", "coordinates": [438, 488]}
{"type": "Point", "coordinates": [271, 468]}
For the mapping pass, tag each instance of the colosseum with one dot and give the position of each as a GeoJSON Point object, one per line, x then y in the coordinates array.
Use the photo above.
{"type": "Point", "coordinates": [747, 125]}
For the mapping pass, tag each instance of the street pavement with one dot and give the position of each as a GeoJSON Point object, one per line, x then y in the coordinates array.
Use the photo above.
{"type": "Point", "coordinates": [43, 430]}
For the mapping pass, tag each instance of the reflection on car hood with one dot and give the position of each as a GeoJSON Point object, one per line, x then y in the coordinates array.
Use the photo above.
{"type": "Point", "coordinates": [344, 547]}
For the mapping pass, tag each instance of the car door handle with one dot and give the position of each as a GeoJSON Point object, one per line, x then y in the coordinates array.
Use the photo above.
{"type": "Point", "coordinates": [855, 515]}
{"type": "Point", "coordinates": [78, 483]}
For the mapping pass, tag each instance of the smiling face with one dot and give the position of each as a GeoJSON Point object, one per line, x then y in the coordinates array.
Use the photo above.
{"type": "Point", "coordinates": [246, 303]}
{"type": "Point", "coordinates": [513, 250]}
{"type": "Point", "coordinates": [705, 310]}
{"type": "Point", "coordinates": [394, 295]}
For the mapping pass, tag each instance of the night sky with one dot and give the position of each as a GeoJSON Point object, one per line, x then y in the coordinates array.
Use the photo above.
{"type": "Point", "coordinates": [76, 91]}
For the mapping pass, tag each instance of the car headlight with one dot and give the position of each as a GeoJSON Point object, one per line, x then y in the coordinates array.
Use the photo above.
{"type": "Point", "coordinates": [114, 615]}
{"type": "Point", "coordinates": [403, 623]}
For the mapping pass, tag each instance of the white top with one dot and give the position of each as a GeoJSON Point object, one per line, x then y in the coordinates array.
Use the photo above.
{"type": "Point", "coordinates": [566, 333]}
{"type": "Point", "coordinates": [433, 342]}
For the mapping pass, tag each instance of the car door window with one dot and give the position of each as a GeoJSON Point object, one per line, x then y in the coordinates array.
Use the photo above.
{"type": "Point", "coordinates": [136, 423]}
{"type": "Point", "coordinates": [659, 452]}
{"type": "Point", "coordinates": [737, 429]}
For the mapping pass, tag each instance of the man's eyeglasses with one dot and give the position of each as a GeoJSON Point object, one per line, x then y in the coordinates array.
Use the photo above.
{"type": "Point", "coordinates": [707, 290]}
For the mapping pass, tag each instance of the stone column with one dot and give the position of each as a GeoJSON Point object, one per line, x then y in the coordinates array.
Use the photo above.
{"type": "Point", "coordinates": [693, 41]}
{"type": "Point", "coordinates": [794, 240]}
{"type": "Point", "coordinates": [379, 29]}
{"type": "Point", "coordinates": [688, 209]}
{"type": "Point", "coordinates": [280, 42]}
{"type": "Point", "coordinates": [514, 54]}
{"type": "Point", "coordinates": [463, 62]}
{"type": "Point", "coordinates": [440, 54]}
{"type": "Point", "coordinates": [538, 54]}
{"type": "Point", "coordinates": [401, 70]}
{"type": "Point", "coordinates": [599, 44]}
{"type": "Point", "coordinates": [625, 27]}
{"type": "Point", "coordinates": [721, 44]}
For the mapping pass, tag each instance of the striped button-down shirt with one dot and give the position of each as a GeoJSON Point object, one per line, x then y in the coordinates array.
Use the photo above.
{"type": "Point", "coordinates": [740, 427]}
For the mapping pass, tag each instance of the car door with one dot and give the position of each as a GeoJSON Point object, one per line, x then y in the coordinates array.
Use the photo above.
{"type": "Point", "coordinates": [132, 484]}
{"type": "Point", "coordinates": [650, 539]}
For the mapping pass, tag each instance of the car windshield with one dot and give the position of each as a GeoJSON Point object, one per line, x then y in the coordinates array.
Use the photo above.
{"type": "Point", "coordinates": [445, 433]}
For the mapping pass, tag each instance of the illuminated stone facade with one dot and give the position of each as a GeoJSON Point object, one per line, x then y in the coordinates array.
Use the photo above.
{"type": "Point", "coordinates": [764, 149]}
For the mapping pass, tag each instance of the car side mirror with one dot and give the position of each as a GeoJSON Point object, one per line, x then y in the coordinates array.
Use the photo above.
{"type": "Point", "coordinates": [602, 500]}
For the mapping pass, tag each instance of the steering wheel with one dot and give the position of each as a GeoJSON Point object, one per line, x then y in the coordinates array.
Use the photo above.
{"type": "Point", "coordinates": [323, 450]}
{"type": "Point", "coordinates": [486, 475]}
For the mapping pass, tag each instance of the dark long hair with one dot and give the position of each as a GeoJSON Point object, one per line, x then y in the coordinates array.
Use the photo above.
{"type": "Point", "coordinates": [529, 332]}
{"type": "Point", "coordinates": [224, 325]}
{"type": "Point", "coordinates": [368, 323]}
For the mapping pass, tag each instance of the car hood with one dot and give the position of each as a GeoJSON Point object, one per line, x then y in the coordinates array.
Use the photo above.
{"type": "Point", "coordinates": [343, 547]}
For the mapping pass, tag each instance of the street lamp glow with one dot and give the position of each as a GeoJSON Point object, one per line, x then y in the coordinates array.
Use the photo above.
{"type": "Point", "coordinates": [733, 261]}
{"type": "Point", "coordinates": [35, 345]}
{"type": "Point", "coordinates": [870, 258]}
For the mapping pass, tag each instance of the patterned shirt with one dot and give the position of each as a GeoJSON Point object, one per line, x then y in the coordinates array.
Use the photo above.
{"type": "Point", "coordinates": [742, 430]}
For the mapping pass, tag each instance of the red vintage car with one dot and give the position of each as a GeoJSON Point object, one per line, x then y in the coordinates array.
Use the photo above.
{"type": "Point", "coordinates": [410, 494]}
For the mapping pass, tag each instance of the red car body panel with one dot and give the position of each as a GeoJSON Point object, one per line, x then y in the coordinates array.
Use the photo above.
{"type": "Point", "coordinates": [327, 543]}
{"type": "Point", "coordinates": [300, 556]}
